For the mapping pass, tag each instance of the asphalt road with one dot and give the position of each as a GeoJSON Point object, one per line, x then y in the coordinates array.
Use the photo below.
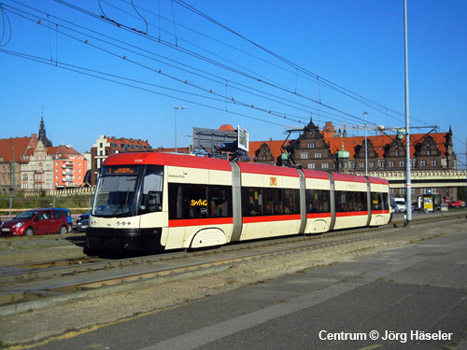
{"type": "Point", "coordinates": [391, 300]}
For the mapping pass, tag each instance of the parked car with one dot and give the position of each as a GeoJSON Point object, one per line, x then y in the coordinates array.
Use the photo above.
{"type": "Point", "coordinates": [82, 222]}
{"type": "Point", "coordinates": [455, 204]}
{"type": "Point", "coordinates": [68, 216]}
{"type": "Point", "coordinates": [36, 222]}
{"type": "Point", "coordinates": [399, 205]}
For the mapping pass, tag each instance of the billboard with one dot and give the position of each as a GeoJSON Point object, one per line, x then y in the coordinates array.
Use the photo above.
{"type": "Point", "coordinates": [243, 138]}
{"type": "Point", "coordinates": [205, 140]}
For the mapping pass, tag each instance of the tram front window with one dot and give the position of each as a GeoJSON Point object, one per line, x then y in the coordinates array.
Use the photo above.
{"type": "Point", "coordinates": [116, 192]}
{"type": "Point", "coordinates": [151, 190]}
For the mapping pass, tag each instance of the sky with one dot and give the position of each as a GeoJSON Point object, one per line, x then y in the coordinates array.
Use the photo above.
{"type": "Point", "coordinates": [112, 68]}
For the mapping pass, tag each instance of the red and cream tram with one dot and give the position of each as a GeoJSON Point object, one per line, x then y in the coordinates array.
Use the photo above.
{"type": "Point", "coordinates": [161, 201]}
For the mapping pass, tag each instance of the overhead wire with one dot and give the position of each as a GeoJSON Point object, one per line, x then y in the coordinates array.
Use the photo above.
{"type": "Point", "coordinates": [239, 102]}
{"type": "Point", "coordinates": [88, 72]}
{"type": "Point", "coordinates": [5, 22]}
{"type": "Point", "coordinates": [208, 60]}
{"type": "Point", "coordinates": [345, 114]}
{"type": "Point", "coordinates": [184, 81]}
{"type": "Point", "coordinates": [366, 101]}
{"type": "Point", "coordinates": [252, 91]}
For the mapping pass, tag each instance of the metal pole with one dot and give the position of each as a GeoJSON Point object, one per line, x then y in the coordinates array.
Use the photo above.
{"type": "Point", "coordinates": [176, 109]}
{"type": "Point", "coordinates": [408, 180]}
{"type": "Point", "coordinates": [366, 147]}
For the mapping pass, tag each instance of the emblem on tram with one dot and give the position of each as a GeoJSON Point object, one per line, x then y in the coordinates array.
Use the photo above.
{"type": "Point", "coordinates": [273, 181]}
{"type": "Point", "coordinates": [199, 203]}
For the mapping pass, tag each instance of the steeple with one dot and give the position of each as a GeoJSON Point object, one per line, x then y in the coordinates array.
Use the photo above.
{"type": "Point", "coordinates": [42, 134]}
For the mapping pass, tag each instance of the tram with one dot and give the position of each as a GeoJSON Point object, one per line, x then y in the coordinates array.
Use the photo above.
{"type": "Point", "coordinates": [160, 201]}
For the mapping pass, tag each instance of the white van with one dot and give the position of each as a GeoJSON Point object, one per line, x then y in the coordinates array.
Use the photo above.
{"type": "Point", "coordinates": [400, 206]}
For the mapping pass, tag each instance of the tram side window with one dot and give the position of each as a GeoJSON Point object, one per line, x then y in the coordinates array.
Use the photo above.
{"type": "Point", "coordinates": [220, 201]}
{"type": "Point", "coordinates": [270, 201]}
{"type": "Point", "coordinates": [379, 201]}
{"type": "Point", "coordinates": [190, 201]}
{"type": "Point", "coordinates": [151, 192]}
{"type": "Point", "coordinates": [317, 201]}
{"type": "Point", "coordinates": [347, 201]}
{"type": "Point", "coordinates": [290, 201]}
{"type": "Point", "coordinates": [252, 201]}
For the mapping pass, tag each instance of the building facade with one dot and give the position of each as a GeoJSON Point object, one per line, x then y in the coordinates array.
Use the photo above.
{"type": "Point", "coordinates": [433, 161]}
{"type": "Point", "coordinates": [69, 167]}
{"type": "Point", "coordinates": [52, 168]}
{"type": "Point", "coordinates": [37, 172]}
{"type": "Point", "coordinates": [108, 145]}
{"type": "Point", "coordinates": [32, 164]}
{"type": "Point", "coordinates": [13, 153]}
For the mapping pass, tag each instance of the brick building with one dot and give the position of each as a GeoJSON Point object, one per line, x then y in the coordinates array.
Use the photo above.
{"type": "Point", "coordinates": [13, 153]}
{"type": "Point", "coordinates": [52, 168]}
{"type": "Point", "coordinates": [108, 145]}
{"type": "Point", "coordinates": [433, 161]}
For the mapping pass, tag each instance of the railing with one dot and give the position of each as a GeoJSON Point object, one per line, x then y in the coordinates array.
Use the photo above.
{"type": "Point", "coordinates": [419, 174]}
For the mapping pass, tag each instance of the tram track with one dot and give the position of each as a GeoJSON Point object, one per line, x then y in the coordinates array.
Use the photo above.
{"type": "Point", "coordinates": [52, 280]}
{"type": "Point", "coordinates": [57, 268]}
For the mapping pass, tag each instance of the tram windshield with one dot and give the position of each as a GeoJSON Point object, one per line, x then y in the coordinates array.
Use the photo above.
{"type": "Point", "coordinates": [118, 187]}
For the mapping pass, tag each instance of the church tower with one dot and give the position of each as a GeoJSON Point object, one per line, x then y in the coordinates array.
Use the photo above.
{"type": "Point", "coordinates": [42, 135]}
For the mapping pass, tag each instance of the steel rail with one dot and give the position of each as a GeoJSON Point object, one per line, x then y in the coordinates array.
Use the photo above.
{"type": "Point", "coordinates": [222, 258]}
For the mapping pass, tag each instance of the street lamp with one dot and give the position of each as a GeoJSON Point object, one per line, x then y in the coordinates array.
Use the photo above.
{"type": "Point", "coordinates": [176, 109]}
{"type": "Point", "coordinates": [366, 146]}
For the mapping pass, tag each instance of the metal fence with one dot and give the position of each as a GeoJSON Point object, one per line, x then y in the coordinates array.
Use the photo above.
{"type": "Point", "coordinates": [11, 206]}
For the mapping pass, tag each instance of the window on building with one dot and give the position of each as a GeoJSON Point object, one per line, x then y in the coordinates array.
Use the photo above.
{"type": "Point", "coordinates": [391, 164]}
{"type": "Point", "coordinates": [303, 155]}
{"type": "Point", "coordinates": [324, 165]}
{"type": "Point", "coordinates": [422, 163]}
{"type": "Point", "coordinates": [311, 166]}
{"type": "Point", "coordinates": [311, 145]}
{"type": "Point", "coordinates": [434, 163]}
{"type": "Point", "coordinates": [371, 164]}
{"type": "Point", "coordinates": [318, 155]}
{"type": "Point", "coordinates": [401, 164]}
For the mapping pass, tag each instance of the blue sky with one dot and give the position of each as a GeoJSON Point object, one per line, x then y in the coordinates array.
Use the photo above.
{"type": "Point", "coordinates": [355, 47]}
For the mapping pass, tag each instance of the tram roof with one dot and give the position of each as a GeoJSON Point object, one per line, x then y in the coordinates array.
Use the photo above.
{"type": "Point", "coordinates": [189, 161]}
{"type": "Point", "coordinates": [170, 159]}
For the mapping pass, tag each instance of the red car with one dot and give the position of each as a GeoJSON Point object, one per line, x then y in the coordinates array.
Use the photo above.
{"type": "Point", "coordinates": [36, 222]}
{"type": "Point", "coordinates": [455, 204]}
